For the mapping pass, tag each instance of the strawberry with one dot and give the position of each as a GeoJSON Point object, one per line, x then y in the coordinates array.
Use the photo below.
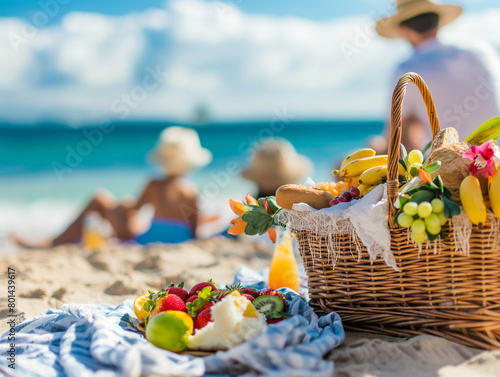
{"type": "Point", "coordinates": [236, 287]}
{"type": "Point", "coordinates": [203, 300]}
{"type": "Point", "coordinates": [250, 291]}
{"type": "Point", "coordinates": [207, 305]}
{"type": "Point", "coordinates": [249, 297]}
{"type": "Point", "coordinates": [222, 294]}
{"type": "Point", "coordinates": [198, 287]}
{"type": "Point", "coordinates": [169, 302]}
{"type": "Point", "coordinates": [203, 319]}
{"type": "Point", "coordinates": [274, 292]}
{"type": "Point", "coordinates": [179, 291]}
{"type": "Point", "coordinates": [272, 321]}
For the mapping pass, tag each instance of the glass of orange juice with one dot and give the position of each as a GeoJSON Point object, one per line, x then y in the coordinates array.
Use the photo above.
{"type": "Point", "coordinates": [284, 271]}
{"type": "Point", "coordinates": [92, 233]}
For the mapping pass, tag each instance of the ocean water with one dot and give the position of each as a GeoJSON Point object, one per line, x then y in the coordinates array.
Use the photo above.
{"type": "Point", "coordinates": [48, 172]}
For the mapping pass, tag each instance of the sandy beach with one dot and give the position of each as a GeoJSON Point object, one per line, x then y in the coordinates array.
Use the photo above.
{"type": "Point", "coordinates": [68, 274]}
{"type": "Point", "coordinates": [49, 278]}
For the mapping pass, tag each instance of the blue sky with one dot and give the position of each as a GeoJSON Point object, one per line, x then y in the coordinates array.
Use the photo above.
{"type": "Point", "coordinates": [318, 10]}
{"type": "Point", "coordinates": [242, 59]}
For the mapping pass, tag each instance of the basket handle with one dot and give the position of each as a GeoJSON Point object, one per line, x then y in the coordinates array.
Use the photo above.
{"type": "Point", "coordinates": [395, 134]}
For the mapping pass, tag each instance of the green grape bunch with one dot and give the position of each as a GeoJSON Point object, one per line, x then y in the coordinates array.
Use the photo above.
{"type": "Point", "coordinates": [425, 209]}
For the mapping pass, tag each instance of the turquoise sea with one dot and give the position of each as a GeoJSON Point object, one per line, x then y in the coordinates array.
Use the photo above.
{"type": "Point", "coordinates": [49, 171]}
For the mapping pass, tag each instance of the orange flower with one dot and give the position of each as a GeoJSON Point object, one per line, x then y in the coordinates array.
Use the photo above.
{"type": "Point", "coordinates": [251, 200]}
{"type": "Point", "coordinates": [424, 175]}
{"type": "Point", "coordinates": [239, 225]}
{"type": "Point", "coordinates": [272, 234]}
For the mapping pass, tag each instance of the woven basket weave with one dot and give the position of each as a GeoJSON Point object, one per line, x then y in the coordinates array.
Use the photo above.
{"type": "Point", "coordinates": [445, 293]}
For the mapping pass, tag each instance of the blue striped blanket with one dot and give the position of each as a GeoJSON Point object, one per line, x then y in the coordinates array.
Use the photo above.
{"type": "Point", "coordinates": [81, 340]}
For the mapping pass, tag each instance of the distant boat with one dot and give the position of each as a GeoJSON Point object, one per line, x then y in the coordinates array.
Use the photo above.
{"type": "Point", "coordinates": [201, 114]}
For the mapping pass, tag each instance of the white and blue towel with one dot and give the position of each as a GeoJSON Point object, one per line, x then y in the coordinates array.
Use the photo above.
{"type": "Point", "coordinates": [100, 340]}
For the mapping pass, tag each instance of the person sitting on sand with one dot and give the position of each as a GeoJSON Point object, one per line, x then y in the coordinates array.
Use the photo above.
{"type": "Point", "coordinates": [178, 151]}
{"type": "Point", "coordinates": [274, 163]}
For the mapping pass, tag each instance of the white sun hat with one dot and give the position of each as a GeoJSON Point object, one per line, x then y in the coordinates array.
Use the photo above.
{"type": "Point", "coordinates": [179, 150]}
{"type": "Point", "coordinates": [388, 27]}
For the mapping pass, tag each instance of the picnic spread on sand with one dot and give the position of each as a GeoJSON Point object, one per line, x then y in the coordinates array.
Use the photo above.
{"type": "Point", "coordinates": [403, 245]}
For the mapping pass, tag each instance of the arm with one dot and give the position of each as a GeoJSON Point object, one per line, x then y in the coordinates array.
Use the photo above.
{"type": "Point", "coordinates": [193, 215]}
{"type": "Point", "coordinates": [145, 197]}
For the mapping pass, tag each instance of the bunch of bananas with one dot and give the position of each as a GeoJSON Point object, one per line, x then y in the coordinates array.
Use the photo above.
{"type": "Point", "coordinates": [367, 169]}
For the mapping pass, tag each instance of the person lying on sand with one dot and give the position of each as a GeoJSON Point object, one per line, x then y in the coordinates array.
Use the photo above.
{"type": "Point", "coordinates": [174, 200]}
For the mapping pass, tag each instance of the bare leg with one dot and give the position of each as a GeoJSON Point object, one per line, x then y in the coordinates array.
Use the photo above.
{"type": "Point", "coordinates": [117, 215]}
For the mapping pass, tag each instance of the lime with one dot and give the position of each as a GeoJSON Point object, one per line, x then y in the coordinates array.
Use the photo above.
{"type": "Point", "coordinates": [139, 307]}
{"type": "Point", "coordinates": [170, 330]}
{"type": "Point", "coordinates": [415, 156]}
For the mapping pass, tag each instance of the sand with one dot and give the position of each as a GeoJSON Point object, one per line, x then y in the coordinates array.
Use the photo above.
{"type": "Point", "coordinates": [68, 274]}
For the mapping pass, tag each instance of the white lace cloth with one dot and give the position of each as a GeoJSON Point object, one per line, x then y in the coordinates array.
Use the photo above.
{"type": "Point", "coordinates": [365, 218]}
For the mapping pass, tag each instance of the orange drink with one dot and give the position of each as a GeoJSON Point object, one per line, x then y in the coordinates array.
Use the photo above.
{"type": "Point", "coordinates": [92, 240]}
{"type": "Point", "coordinates": [92, 232]}
{"type": "Point", "coordinates": [284, 271]}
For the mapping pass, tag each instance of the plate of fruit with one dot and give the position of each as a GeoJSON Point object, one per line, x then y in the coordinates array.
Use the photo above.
{"type": "Point", "coordinates": [205, 319]}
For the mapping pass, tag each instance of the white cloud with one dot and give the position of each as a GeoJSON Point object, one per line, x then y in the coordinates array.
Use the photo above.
{"type": "Point", "coordinates": [240, 65]}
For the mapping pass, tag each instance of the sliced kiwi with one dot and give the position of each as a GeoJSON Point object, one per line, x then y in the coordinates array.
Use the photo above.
{"type": "Point", "coordinates": [268, 303]}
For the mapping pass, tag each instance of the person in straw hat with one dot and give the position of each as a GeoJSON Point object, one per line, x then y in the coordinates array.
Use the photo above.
{"type": "Point", "coordinates": [177, 152]}
{"type": "Point", "coordinates": [275, 162]}
{"type": "Point", "coordinates": [461, 79]}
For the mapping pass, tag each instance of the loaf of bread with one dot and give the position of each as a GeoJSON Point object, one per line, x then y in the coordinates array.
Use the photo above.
{"type": "Point", "coordinates": [287, 195]}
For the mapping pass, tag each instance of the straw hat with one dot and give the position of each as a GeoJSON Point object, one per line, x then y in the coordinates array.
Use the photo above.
{"type": "Point", "coordinates": [275, 162]}
{"type": "Point", "coordinates": [179, 150]}
{"type": "Point", "coordinates": [388, 27]}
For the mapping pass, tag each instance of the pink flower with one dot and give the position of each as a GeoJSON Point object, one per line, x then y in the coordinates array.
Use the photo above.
{"type": "Point", "coordinates": [484, 159]}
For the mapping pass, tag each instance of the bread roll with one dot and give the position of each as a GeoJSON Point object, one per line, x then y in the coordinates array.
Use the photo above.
{"type": "Point", "coordinates": [287, 195]}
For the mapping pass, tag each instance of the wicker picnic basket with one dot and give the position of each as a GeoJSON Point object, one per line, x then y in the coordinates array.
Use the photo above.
{"type": "Point", "coordinates": [444, 293]}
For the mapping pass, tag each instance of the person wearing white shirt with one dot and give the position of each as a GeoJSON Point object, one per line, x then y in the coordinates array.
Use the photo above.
{"type": "Point", "coordinates": [463, 80]}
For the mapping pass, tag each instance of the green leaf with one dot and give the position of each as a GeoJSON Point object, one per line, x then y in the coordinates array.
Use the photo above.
{"type": "Point", "coordinates": [250, 230]}
{"type": "Point", "coordinates": [414, 171]}
{"type": "Point", "coordinates": [442, 234]}
{"type": "Point", "coordinates": [272, 204]}
{"type": "Point", "coordinates": [486, 131]}
{"type": "Point", "coordinates": [439, 183]}
{"type": "Point", "coordinates": [149, 305]}
{"type": "Point", "coordinates": [426, 147]}
{"type": "Point", "coordinates": [404, 154]}
{"type": "Point", "coordinates": [254, 208]}
{"type": "Point", "coordinates": [254, 216]}
{"type": "Point", "coordinates": [422, 196]}
{"type": "Point", "coordinates": [395, 221]}
{"type": "Point", "coordinates": [446, 212]}
{"type": "Point", "coordinates": [434, 167]}
{"type": "Point", "coordinates": [271, 315]}
{"type": "Point", "coordinates": [266, 226]}
{"type": "Point", "coordinates": [453, 207]}
{"type": "Point", "coordinates": [432, 237]}
{"type": "Point", "coordinates": [446, 192]}
{"type": "Point", "coordinates": [402, 201]}
{"type": "Point", "coordinates": [403, 163]}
